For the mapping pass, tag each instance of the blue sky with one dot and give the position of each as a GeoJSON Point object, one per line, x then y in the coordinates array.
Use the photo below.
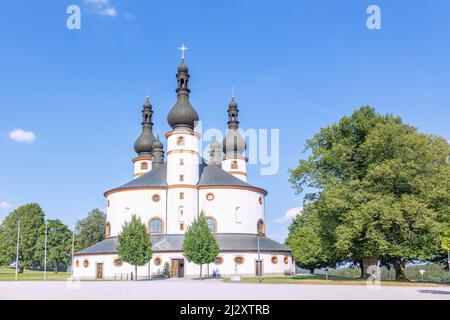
{"type": "Point", "coordinates": [296, 65]}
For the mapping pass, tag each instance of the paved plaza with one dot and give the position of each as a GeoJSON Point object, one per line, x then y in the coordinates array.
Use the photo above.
{"type": "Point", "coordinates": [177, 289]}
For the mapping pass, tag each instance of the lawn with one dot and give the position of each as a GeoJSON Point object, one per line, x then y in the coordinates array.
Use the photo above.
{"type": "Point", "coordinates": [8, 274]}
{"type": "Point", "coordinates": [320, 279]}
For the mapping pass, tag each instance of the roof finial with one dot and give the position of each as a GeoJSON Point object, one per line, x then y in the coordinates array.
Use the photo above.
{"type": "Point", "coordinates": [232, 91]}
{"type": "Point", "coordinates": [147, 92]}
{"type": "Point", "coordinates": [183, 49]}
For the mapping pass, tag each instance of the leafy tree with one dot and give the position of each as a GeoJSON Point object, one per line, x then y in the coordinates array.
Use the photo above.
{"type": "Point", "coordinates": [134, 245]}
{"type": "Point", "coordinates": [380, 189]}
{"type": "Point", "coordinates": [199, 244]}
{"type": "Point", "coordinates": [59, 244]}
{"type": "Point", "coordinates": [31, 219]}
{"type": "Point", "coordinates": [90, 230]}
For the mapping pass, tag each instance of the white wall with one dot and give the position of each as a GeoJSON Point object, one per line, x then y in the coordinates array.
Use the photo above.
{"type": "Point", "coordinates": [242, 167]}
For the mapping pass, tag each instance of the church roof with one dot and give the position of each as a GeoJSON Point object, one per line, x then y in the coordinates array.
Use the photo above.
{"type": "Point", "coordinates": [228, 242]}
{"type": "Point", "coordinates": [210, 175]}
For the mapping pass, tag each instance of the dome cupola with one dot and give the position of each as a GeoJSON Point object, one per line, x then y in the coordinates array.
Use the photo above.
{"type": "Point", "coordinates": [158, 153]}
{"type": "Point", "coordinates": [215, 152]}
{"type": "Point", "coordinates": [143, 144]}
{"type": "Point", "coordinates": [233, 143]}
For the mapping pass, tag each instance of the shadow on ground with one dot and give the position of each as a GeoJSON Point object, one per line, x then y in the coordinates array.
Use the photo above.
{"type": "Point", "coordinates": [434, 291]}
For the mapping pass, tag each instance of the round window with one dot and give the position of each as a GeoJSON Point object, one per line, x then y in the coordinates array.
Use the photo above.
{"type": "Point", "coordinates": [260, 200]}
{"type": "Point", "coordinates": [118, 262]}
{"type": "Point", "coordinates": [274, 259]}
{"type": "Point", "coordinates": [286, 260]}
{"type": "Point", "coordinates": [210, 196]}
{"type": "Point", "coordinates": [77, 263]}
{"type": "Point", "coordinates": [86, 263]}
{"type": "Point", "coordinates": [156, 197]}
{"type": "Point", "coordinates": [157, 261]}
{"type": "Point", "coordinates": [239, 260]}
{"type": "Point", "coordinates": [218, 260]}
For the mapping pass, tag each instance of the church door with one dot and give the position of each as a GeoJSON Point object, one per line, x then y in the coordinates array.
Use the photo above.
{"type": "Point", "coordinates": [99, 271]}
{"type": "Point", "coordinates": [175, 268]}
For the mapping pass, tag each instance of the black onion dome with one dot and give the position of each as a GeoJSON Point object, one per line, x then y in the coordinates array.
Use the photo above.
{"type": "Point", "coordinates": [157, 144]}
{"type": "Point", "coordinates": [144, 143]}
{"type": "Point", "coordinates": [233, 143]}
{"type": "Point", "coordinates": [182, 115]}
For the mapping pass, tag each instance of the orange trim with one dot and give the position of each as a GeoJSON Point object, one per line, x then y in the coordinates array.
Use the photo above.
{"type": "Point", "coordinates": [243, 259]}
{"type": "Point", "coordinates": [139, 174]}
{"type": "Point", "coordinates": [235, 156]}
{"type": "Point", "coordinates": [263, 227]}
{"type": "Point", "coordinates": [158, 197]}
{"type": "Point", "coordinates": [162, 226]}
{"type": "Point", "coordinates": [274, 259]}
{"type": "Point", "coordinates": [255, 189]}
{"type": "Point", "coordinates": [141, 158]}
{"type": "Point", "coordinates": [174, 186]}
{"type": "Point", "coordinates": [237, 172]}
{"type": "Point", "coordinates": [192, 133]}
{"type": "Point", "coordinates": [221, 261]}
{"type": "Point", "coordinates": [183, 151]}
{"type": "Point", "coordinates": [107, 193]}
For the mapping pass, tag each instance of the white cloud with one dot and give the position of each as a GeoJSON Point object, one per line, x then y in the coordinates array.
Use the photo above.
{"type": "Point", "coordinates": [290, 215]}
{"type": "Point", "coordinates": [20, 135]}
{"type": "Point", "coordinates": [5, 205]}
{"type": "Point", "coordinates": [102, 7]}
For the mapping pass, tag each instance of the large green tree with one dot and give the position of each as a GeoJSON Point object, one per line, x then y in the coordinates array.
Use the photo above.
{"type": "Point", "coordinates": [200, 245]}
{"type": "Point", "coordinates": [90, 230]}
{"type": "Point", "coordinates": [380, 189]}
{"type": "Point", "coordinates": [59, 244]}
{"type": "Point", "coordinates": [134, 245]}
{"type": "Point", "coordinates": [31, 219]}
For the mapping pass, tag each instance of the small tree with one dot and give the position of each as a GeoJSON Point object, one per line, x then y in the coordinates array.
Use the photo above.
{"type": "Point", "coordinates": [199, 244]}
{"type": "Point", "coordinates": [134, 245]}
{"type": "Point", "coordinates": [90, 230]}
{"type": "Point", "coordinates": [167, 270]}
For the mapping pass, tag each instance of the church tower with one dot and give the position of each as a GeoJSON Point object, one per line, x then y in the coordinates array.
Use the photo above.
{"type": "Point", "coordinates": [143, 144]}
{"type": "Point", "coordinates": [234, 145]}
{"type": "Point", "coordinates": [183, 157]}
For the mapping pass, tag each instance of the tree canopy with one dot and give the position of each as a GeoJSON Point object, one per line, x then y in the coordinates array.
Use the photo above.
{"type": "Point", "coordinates": [379, 187]}
{"type": "Point", "coordinates": [200, 245]}
{"type": "Point", "coordinates": [90, 230]}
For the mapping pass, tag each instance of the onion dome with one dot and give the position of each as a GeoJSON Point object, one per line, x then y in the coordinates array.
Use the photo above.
{"type": "Point", "coordinates": [158, 153]}
{"type": "Point", "coordinates": [233, 143]}
{"type": "Point", "coordinates": [182, 116]}
{"type": "Point", "coordinates": [143, 144]}
{"type": "Point", "coordinates": [215, 152]}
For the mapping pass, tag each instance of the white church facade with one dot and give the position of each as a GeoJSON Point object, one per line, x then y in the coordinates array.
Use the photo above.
{"type": "Point", "coordinates": [170, 189]}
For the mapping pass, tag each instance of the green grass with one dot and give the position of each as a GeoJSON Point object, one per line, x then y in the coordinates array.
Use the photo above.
{"type": "Point", "coordinates": [8, 274]}
{"type": "Point", "coordinates": [333, 280]}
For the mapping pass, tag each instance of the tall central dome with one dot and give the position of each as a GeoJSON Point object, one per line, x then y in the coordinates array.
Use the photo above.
{"type": "Point", "coordinates": [182, 116]}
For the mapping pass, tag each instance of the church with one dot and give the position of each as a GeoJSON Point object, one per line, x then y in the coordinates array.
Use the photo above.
{"type": "Point", "coordinates": [170, 188]}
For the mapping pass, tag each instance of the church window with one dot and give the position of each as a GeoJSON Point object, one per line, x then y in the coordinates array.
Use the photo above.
{"type": "Point", "coordinates": [108, 229]}
{"type": "Point", "coordinates": [210, 196]}
{"type": "Point", "coordinates": [156, 226]}
{"type": "Point", "coordinates": [260, 229]}
{"type": "Point", "coordinates": [181, 177]}
{"type": "Point", "coordinates": [181, 213]}
{"type": "Point", "coordinates": [181, 226]}
{"type": "Point", "coordinates": [212, 224]}
{"type": "Point", "coordinates": [107, 203]}
{"type": "Point", "coordinates": [144, 166]}
{"type": "Point", "coordinates": [218, 260]}
{"type": "Point", "coordinates": [238, 215]}
{"type": "Point", "coordinates": [274, 259]}
{"type": "Point", "coordinates": [260, 200]}
{"type": "Point", "coordinates": [118, 262]}
{"type": "Point", "coordinates": [156, 197]}
{"type": "Point", "coordinates": [234, 164]}
{"type": "Point", "coordinates": [157, 261]}
{"type": "Point", "coordinates": [180, 141]}
{"type": "Point", "coordinates": [181, 195]}
{"type": "Point", "coordinates": [239, 260]}
{"type": "Point", "coordinates": [286, 260]}
{"type": "Point", "coordinates": [86, 263]}
{"type": "Point", "coordinates": [77, 263]}
{"type": "Point", "coordinates": [181, 162]}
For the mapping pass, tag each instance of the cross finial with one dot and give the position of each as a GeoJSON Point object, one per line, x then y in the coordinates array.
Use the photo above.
{"type": "Point", "coordinates": [183, 49]}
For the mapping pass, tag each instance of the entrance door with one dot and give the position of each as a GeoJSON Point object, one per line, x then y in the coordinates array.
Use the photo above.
{"type": "Point", "coordinates": [178, 268]}
{"type": "Point", "coordinates": [259, 268]}
{"type": "Point", "coordinates": [99, 271]}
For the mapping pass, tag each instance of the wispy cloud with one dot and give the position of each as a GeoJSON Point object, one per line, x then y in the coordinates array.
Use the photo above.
{"type": "Point", "coordinates": [102, 7]}
{"type": "Point", "coordinates": [290, 215]}
{"type": "Point", "coordinates": [5, 205]}
{"type": "Point", "coordinates": [23, 136]}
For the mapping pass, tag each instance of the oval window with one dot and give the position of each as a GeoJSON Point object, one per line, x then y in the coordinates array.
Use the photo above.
{"type": "Point", "coordinates": [286, 260]}
{"type": "Point", "coordinates": [239, 260]}
{"type": "Point", "coordinates": [77, 263]}
{"type": "Point", "coordinates": [86, 263]}
{"type": "Point", "coordinates": [218, 260]}
{"type": "Point", "coordinates": [260, 200]}
{"type": "Point", "coordinates": [157, 261]}
{"type": "Point", "coordinates": [118, 262]}
{"type": "Point", "coordinates": [274, 259]}
{"type": "Point", "coordinates": [210, 196]}
{"type": "Point", "coordinates": [156, 197]}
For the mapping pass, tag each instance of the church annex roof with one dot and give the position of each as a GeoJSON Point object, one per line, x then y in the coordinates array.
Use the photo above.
{"type": "Point", "coordinates": [210, 175]}
{"type": "Point", "coordinates": [228, 242]}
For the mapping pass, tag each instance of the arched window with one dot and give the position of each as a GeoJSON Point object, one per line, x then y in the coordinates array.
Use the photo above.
{"type": "Point", "coordinates": [144, 166]}
{"type": "Point", "coordinates": [212, 224]}
{"type": "Point", "coordinates": [234, 164]}
{"type": "Point", "coordinates": [180, 141]}
{"type": "Point", "coordinates": [181, 162]}
{"type": "Point", "coordinates": [238, 215]}
{"type": "Point", "coordinates": [260, 229]}
{"type": "Point", "coordinates": [156, 226]}
{"type": "Point", "coordinates": [108, 229]}
{"type": "Point", "coordinates": [181, 213]}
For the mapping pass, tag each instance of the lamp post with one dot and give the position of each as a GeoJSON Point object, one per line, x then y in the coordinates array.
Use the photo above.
{"type": "Point", "coordinates": [259, 262]}
{"type": "Point", "coordinates": [45, 251]}
{"type": "Point", "coordinates": [17, 248]}
{"type": "Point", "coordinates": [73, 247]}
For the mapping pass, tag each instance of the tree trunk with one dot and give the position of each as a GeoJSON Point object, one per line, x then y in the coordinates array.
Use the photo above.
{"type": "Point", "coordinates": [56, 268]}
{"type": "Point", "coordinates": [366, 262]}
{"type": "Point", "coordinates": [135, 273]}
{"type": "Point", "coordinates": [311, 270]}
{"type": "Point", "coordinates": [201, 271]}
{"type": "Point", "coordinates": [21, 269]}
{"type": "Point", "coordinates": [399, 266]}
